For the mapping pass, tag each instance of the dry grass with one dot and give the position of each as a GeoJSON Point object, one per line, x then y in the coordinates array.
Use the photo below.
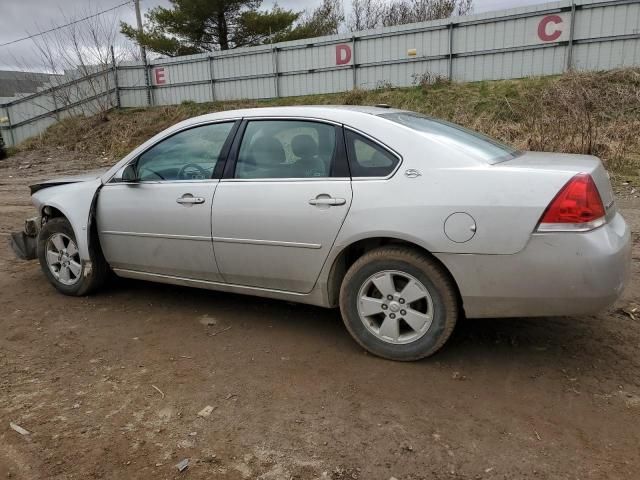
{"type": "Point", "coordinates": [595, 113]}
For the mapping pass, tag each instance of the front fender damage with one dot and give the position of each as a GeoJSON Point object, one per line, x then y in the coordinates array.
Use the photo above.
{"type": "Point", "coordinates": [76, 202]}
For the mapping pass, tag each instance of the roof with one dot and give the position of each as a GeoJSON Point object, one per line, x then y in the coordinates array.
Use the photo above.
{"type": "Point", "coordinates": [13, 83]}
{"type": "Point", "coordinates": [336, 113]}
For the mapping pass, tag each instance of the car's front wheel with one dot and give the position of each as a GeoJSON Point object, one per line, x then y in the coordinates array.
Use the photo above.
{"type": "Point", "coordinates": [61, 263]}
{"type": "Point", "coordinates": [398, 303]}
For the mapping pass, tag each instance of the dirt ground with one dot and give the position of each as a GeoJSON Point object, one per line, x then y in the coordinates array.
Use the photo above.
{"type": "Point", "coordinates": [110, 386]}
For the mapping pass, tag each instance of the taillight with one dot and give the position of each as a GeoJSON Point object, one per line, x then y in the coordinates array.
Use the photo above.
{"type": "Point", "coordinates": [577, 207]}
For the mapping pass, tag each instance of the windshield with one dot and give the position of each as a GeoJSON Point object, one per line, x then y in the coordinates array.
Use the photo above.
{"type": "Point", "coordinates": [456, 136]}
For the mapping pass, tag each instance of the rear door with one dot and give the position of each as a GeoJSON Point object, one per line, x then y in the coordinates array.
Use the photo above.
{"type": "Point", "coordinates": [284, 196]}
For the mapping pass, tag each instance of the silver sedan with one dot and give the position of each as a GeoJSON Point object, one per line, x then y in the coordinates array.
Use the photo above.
{"type": "Point", "coordinates": [403, 221]}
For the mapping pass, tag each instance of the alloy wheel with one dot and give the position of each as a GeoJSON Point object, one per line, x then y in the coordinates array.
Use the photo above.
{"type": "Point", "coordinates": [395, 306]}
{"type": "Point", "coordinates": [63, 259]}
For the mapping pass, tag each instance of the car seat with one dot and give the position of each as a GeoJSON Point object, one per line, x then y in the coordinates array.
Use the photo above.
{"type": "Point", "coordinates": [308, 164]}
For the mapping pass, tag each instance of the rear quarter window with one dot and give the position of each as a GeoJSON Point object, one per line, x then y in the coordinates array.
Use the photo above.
{"type": "Point", "coordinates": [367, 158]}
{"type": "Point", "coordinates": [473, 143]}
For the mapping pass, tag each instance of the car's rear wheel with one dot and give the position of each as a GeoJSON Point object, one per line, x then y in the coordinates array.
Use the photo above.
{"type": "Point", "coordinates": [60, 260]}
{"type": "Point", "coordinates": [398, 303]}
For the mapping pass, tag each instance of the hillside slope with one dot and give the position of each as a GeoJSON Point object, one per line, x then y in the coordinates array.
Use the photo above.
{"type": "Point", "coordinates": [595, 113]}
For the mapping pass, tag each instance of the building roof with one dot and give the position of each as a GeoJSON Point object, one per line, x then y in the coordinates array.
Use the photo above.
{"type": "Point", "coordinates": [13, 83]}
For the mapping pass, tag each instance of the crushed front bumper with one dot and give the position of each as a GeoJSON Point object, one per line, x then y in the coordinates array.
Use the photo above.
{"type": "Point", "coordinates": [25, 244]}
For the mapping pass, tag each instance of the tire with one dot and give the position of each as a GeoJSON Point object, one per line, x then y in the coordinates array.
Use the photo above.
{"type": "Point", "coordinates": [78, 281]}
{"type": "Point", "coordinates": [415, 336]}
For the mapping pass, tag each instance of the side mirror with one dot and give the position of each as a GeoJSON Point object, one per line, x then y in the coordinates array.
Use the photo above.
{"type": "Point", "coordinates": [129, 174]}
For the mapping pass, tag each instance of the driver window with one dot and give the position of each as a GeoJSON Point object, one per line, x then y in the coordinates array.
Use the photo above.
{"type": "Point", "coordinates": [188, 155]}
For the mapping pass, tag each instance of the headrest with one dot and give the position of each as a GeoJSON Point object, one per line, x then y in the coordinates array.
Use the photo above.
{"type": "Point", "coordinates": [304, 146]}
{"type": "Point", "coordinates": [267, 151]}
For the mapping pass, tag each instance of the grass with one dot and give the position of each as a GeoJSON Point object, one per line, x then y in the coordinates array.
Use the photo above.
{"type": "Point", "coordinates": [594, 113]}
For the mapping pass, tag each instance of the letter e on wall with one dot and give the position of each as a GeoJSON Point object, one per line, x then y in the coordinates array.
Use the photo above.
{"type": "Point", "coordinates": [159, 76]}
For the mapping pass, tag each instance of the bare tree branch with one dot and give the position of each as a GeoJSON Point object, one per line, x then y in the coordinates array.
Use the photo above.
{"type": "Point", "coordinates": [82, 51]}
{"type": "Point", "coordinates": [367, 14]}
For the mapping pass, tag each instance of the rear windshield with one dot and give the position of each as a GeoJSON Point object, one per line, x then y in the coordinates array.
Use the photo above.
{"type": "Point", "coordinates": [472, 142]}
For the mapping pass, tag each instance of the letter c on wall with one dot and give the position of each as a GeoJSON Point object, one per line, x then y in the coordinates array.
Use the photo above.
{"type": "Point", "coordinates": [549, 34]}
{"type": "Point", "coordinates": [343, 54]}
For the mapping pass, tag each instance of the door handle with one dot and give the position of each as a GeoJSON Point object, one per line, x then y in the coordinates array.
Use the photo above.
{"type": "Point", "coordinates": [327, 201]}
{"type": "Point", "coordinates": [189, 199]}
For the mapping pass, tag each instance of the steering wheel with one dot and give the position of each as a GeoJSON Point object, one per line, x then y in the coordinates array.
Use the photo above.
{"type": "Point", "coordinates": [195, 166]}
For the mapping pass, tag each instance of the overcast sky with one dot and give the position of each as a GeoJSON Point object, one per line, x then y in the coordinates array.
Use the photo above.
{"type": "Point", "coordinates": [19, 18]}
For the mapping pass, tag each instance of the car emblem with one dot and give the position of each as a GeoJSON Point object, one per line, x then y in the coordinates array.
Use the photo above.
{"type": "Point", "coordinates": [412, 173]}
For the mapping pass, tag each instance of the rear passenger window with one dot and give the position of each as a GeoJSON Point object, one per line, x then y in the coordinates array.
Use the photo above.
{"type": "Point", "coordinates": [286, 149]}
{"type": "Point", "coordinates": [368, 159]}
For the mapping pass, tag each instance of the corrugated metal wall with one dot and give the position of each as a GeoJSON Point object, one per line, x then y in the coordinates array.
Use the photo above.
{"type": "Point", "coordinates": [31, 115]}
{"type": "Point", "coordinates": [530, 41]}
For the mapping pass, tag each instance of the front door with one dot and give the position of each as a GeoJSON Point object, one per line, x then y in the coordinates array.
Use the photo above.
{"type": "Point", "coordinates": [161, 222]}
{"type": "Point", "coordinates": [276, 216]}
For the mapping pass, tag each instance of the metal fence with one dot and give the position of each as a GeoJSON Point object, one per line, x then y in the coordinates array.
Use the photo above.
{"type": "Point", "coordinates": [530, 41]}
{"type": "Point", "coordinates": [31, 115]}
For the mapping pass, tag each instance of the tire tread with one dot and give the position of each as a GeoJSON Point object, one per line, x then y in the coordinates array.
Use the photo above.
{"type": "Point", "coordinates": [419, 260]}
{"type": "Point", "coordinates": [99, 267]}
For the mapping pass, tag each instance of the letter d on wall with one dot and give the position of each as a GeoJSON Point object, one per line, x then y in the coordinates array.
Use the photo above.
{"type": "Point", "coordinates": [343, 54]}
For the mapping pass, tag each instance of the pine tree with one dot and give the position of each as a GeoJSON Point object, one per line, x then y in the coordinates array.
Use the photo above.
{"type": "Point", "coordinates": [193, 26]}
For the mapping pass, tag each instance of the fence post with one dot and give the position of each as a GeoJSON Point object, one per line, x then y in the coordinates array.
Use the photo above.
{"type": "Point", "coordinates": [354, 83]}
{"type": "Point", "coordinates": [212, 79]}
{"type": "Point", "coordinates": [115, 77]}
{"type": "Point", "coordinates": [55, 104]}
{"type": "Point", "coordinates": [147, 80]}
{"type": "Point", "coordinates": [569, 65]}
{"type": "Point", "coordinates": [276, 71]}
{"type": "Point", "coordinates": [11, 134]}
{"type": "Point", "coordinates": [450, 63]}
